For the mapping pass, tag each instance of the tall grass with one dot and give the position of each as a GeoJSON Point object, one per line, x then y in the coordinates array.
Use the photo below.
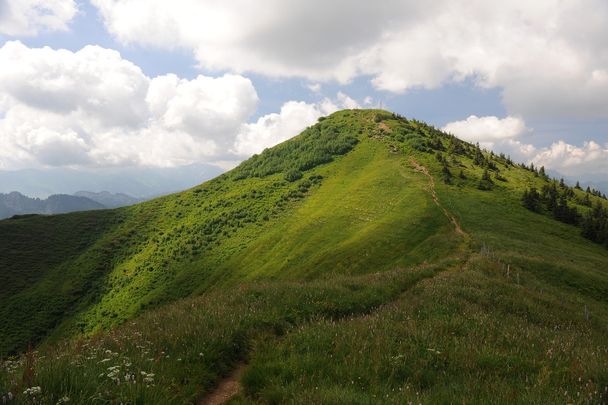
{"type": "Point", "coordinates": [177, 353]}
{"type": "Point", "coordinates": [470, 335]}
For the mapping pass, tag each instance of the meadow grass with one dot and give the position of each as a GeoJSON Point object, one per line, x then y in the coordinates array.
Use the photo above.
{"type": "Point", "coordinates": [176, 354]}
{"type": "Point", "coordinates": [468, 335]}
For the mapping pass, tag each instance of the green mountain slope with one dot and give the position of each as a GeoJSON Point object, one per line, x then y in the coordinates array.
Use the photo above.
{"type": "Point", "coordinates": [368, 233]}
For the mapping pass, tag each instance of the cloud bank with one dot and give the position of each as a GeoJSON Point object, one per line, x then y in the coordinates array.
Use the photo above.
{"type": "Point", "coordinates": [29, 17]}
{"type": "Point", "coordinates": [549, 57]}
{"type": "Point", "coordinates": [92, 108]}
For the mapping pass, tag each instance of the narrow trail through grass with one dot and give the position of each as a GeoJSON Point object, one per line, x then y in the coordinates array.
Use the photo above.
{"type": "Point", "coordinates": [231, 386]}
{"type": "Point", "coordinates": [235, 385]}
{"type": "Point", "coordinates": [421, 169]}
{"type": "Point", "coordinates": [227, 389]}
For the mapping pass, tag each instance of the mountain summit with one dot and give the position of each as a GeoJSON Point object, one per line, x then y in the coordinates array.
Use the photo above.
{"type": "Point", "coordinates": [370, 259]}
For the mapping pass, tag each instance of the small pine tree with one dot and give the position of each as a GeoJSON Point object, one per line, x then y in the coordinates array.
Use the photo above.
{"type": "Point", "coordinates": [531, 200]}
{"type": "Point", "coordinates": [586, 200]}
{"type": "Point", "coordinates": [485, 183]}
{"type": "Point", "coordinates": [446, 174]}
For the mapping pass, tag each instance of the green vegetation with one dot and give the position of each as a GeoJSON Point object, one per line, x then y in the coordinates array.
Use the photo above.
{"type": "Point", "coordinates": [471, 333]}
{"type": "Point", "coordinates": [371, 259]}
{"type": "Point", "coordinates": [560, 202]}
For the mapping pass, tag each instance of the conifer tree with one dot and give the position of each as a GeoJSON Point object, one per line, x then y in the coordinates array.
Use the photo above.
{"type": "Point", "coordinates": [446, 174]}
{"type": "Point", "coordinates": [531, 200]}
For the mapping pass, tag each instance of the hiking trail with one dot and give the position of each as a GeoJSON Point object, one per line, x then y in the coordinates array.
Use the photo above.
{"type": "Point", "coordinates": [421, 169]}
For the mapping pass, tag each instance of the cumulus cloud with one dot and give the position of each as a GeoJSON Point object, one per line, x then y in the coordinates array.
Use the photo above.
{"type": "Point", "coordinates": [487, 129]}
{"type": "Point", "coordinates": [294, 116]}
{"type": "Point", "coordinates": [590, 158]}
{"type": "Point", "coordinates": [550, 57]}
{"type": "Point", "coordinates": [93, 108]}
{"type": "Point", "coordinates": [29, 17]}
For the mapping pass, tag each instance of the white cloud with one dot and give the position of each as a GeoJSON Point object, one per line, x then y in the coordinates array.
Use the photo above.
{"type": "Point", "coordinates": [294, 117]}
{"type": "Point", "coordinates": [502, 135]}
{"type": "Point", "coordinates": [94, 82]}
{"type": "Point", "coordinates": [591, 158]}
{"type": "Point", "coordinates": [29, 17]}
{"type": "Point", "coordinates": [275, 128]}
{"type": "Point", "coordinates": [93, 108]}
{"type": "Point", "coordinates": [550, 57]}
{"type": "Point", "coordinates": [314, 87]}
{"type": "Point", "coordinates": [487, 129]}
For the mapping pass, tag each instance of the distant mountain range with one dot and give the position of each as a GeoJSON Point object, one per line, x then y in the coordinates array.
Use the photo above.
{"type": "Point", "coordinates": [15, 203]}
{"type": "Point", "coordinates": [109, 200]}
{"type": "Point", "coordinates": [139, 182]}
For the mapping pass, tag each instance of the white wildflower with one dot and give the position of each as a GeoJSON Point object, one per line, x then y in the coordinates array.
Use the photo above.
{"type": "Point", "coordinates": [148, 377]}
{"type": "Point", "coordinates": [32, 391]}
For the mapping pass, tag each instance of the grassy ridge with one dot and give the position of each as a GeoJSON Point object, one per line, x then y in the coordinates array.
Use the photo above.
{"type": "Point", "coordinates": [314, 247]}
{"type": "Point", "coordinates": [221, 231]}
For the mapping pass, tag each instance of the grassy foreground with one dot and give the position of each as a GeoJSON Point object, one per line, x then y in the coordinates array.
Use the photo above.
{"type": "Point", "coordinates": [177, 353]}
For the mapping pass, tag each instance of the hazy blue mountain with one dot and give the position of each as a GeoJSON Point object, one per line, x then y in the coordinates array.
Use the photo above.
{"type": "Point", "coordinates": [110, 200]}
{"type": "Point", "coordinates": [139, 182]}
{"type": "Point", "coordinates": [15, 203]}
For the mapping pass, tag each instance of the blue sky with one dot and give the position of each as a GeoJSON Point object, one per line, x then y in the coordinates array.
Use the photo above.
{"type": "Point", "coordinates": [517, 78]}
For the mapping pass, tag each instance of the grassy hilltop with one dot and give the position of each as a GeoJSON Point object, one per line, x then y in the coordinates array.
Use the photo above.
{"type": "Point", "coordinates": [370, 259]}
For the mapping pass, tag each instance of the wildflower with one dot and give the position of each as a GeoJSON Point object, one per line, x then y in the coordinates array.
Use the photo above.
{"type": "Point", "coordinates": [63, 400]}
{"type": "Point", "coordinates": [32, 391]}
{"type": "Point", "coordinates": [148, 377]}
